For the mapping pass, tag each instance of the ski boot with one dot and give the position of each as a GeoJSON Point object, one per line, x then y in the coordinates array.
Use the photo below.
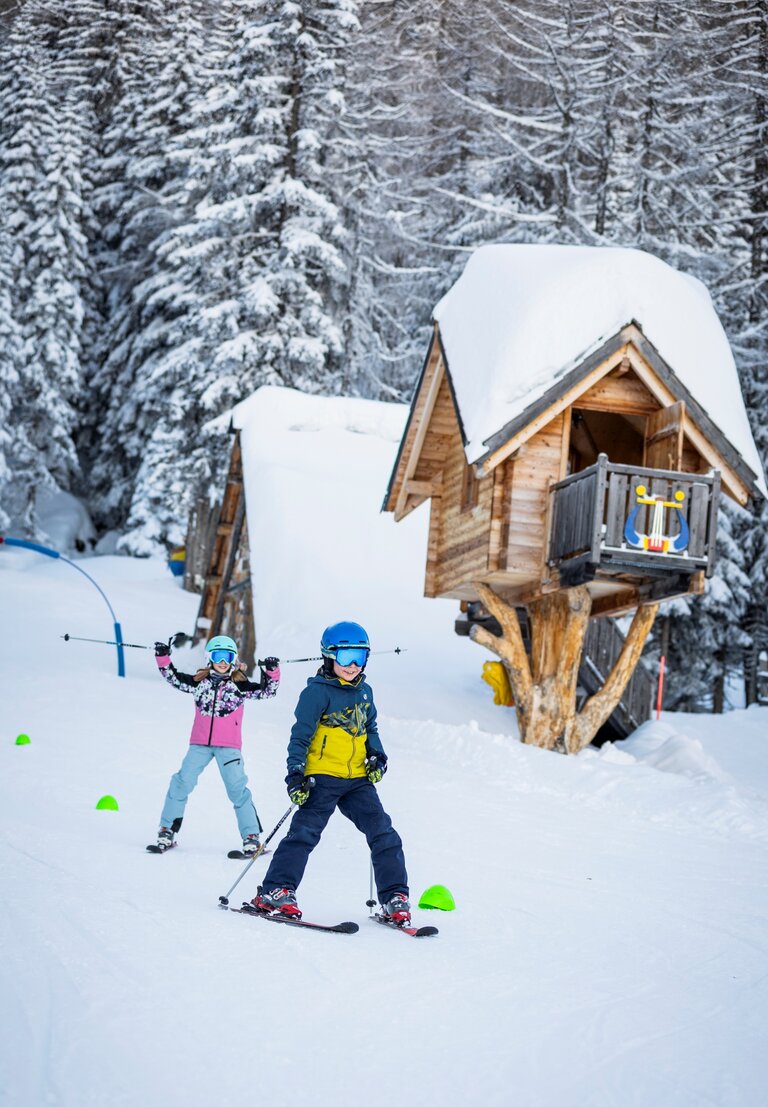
{"type": "Point", "coordinates": [165, 838]}
{"type": "Point", "coordinates": [280, 901]}
{"type": "Point", "coordinates": [251, 844]}
{"type": "Point", "coordinates": [397, 910]}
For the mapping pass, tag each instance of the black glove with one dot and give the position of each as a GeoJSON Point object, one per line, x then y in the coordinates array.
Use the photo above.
{"type": "Point", "coordinates": [162, 649]}
{"type": "Point", "coordinates": [269, 664]}
{"type": "Point", "coordinates": [375, 767]}
{"type": "Point", "coordinates": [298, 788]}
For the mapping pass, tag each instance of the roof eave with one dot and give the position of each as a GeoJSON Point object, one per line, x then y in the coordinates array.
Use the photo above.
{"type": "Point", "coordinates": [631, 332]}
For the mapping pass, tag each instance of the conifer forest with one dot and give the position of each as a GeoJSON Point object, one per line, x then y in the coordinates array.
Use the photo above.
{"type": "Point", "coordinates": [198, 198]}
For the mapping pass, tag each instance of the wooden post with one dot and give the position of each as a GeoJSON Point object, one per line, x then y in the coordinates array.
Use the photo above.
{"type": "Point", "coordinates": [598, 708]}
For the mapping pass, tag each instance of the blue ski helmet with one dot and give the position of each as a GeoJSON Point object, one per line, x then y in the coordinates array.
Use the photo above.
{"type": "Point", "coordinates": [224, 647]}
{"type": "Point", "coordinates": [350, 638]}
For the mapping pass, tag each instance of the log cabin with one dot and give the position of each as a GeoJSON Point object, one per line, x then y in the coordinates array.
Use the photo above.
{"type": "Point", "coordinates": [577, 417]}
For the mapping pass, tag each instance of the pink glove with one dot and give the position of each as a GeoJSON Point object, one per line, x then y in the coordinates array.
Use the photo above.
{"type": "Point", "coordinates": [271, 667]}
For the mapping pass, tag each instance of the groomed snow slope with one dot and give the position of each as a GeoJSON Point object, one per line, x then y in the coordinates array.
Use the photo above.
{"type": "Point", "coordinates": [610, 941]}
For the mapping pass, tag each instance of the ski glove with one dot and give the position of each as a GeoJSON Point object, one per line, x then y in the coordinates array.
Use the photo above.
{"type": "Point", "coordinates": [375, 767]}
{"type": "Point", "coordinates": [298, 788]}
{"type": "Point", "coordinates": [162, 649]}
{"type": "Point", "coordinates": [271, 666]}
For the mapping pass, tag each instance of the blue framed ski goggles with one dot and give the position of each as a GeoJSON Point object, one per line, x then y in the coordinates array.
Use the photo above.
{"type": "Point", "coordinates": [351, 655]}
{"type": "Point", "coordinates": [222, 655]}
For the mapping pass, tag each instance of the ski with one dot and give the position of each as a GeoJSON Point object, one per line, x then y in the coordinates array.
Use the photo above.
{"type": "Point", "coordinates": [412, 931]}
{"type": "Point", "coordinates": [238, 855]}
{"type": "Point", "coordinates": [339, 928]}
{"type": "Point", "coordinates": [161, 849]}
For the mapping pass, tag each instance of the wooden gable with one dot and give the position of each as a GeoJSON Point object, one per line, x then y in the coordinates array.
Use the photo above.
{"type": "Point", "coordinates": [433, 428]}
{"type": "Point", "coordinates": [655, 382]}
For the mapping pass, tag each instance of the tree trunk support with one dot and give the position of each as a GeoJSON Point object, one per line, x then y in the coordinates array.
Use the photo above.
{"type": "Point", "coordinates": [544, 686]}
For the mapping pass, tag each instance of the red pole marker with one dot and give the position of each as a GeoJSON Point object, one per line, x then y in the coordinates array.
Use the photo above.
{"type": "Point", "coordinates": [661, 687]}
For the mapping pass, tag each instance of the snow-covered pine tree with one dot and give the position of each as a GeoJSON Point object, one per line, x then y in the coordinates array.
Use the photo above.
{"type": "Point", "coordinates": [705, 635]}
{"type": "Point", "coordinates": [739, 38]}
{"type": "Point", "coordinates": [44, 134]}
{"type": "Point", "coordinates": [150, 83]}
{"type": "Point", "coordinates": [265, 305]}
{"type": "Point", "coordinates": [10, 355]}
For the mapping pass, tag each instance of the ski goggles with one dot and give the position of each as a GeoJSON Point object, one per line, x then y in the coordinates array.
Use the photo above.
{"type": "Point", "coordinates": [351, 655]}
{"type": "Point", "coordinates": [222, 655]}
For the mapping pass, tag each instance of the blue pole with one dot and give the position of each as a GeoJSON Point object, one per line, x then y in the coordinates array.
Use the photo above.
{"type": "Point", "coordinates": [23, 544]}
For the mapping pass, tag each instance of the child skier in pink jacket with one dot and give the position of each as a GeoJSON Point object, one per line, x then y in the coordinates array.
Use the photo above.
{"type": "Point", "coordinates": [220, 690]}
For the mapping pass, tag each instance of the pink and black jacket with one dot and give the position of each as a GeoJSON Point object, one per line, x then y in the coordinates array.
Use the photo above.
{"type": "Point", "coordinates": [218, 701]}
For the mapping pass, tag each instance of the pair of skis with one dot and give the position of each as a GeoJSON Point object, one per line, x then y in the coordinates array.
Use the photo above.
{"type": "Point", "coordinates": [233, 855]}
{"type": "Point", "coordinates": [338, 928]}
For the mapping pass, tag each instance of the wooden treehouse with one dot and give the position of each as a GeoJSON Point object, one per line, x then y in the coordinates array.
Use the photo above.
{"type": "Point", "coordinates": [573, 468]}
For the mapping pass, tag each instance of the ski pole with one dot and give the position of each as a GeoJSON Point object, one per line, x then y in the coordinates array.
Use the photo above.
{"type": "Point", "coordinates": [224, 900]}
{"type": "Point", "coordinates": [177, 640]}
{"type": "Point", "coordinates": [297, 660]}
{"type": "Point", "coordinates": [371, 902]}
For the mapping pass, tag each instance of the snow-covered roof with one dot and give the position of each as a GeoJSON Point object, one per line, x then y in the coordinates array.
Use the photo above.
{"type": "Point", "coordinates": [520, 317]}
{"type": "Point", "coordinates": [314, 467]}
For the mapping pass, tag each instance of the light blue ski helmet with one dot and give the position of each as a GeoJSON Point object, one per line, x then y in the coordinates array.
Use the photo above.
{"type": "Point", "coordinates": [222, 642]}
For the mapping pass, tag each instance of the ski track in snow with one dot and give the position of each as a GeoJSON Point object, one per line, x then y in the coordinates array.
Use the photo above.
{"type": "Point", "coordinates": [609, 947]}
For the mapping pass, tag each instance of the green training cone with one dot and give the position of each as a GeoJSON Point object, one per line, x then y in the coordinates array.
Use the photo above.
{"type": "Point", "coordinates": [23, 740]}
{"type": "Point", "coordinates": [107, 803]}
{"type": "Point", "coordinates": [437, 897]}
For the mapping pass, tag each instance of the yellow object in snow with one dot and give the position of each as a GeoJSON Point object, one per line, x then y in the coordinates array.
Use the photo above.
{"type": "Point", "coordinates": [495, 674]}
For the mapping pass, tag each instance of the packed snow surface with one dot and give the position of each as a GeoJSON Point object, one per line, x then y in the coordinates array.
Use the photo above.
{"type": "Point", "coordinates": [520, 317]}
{"type": "Point", "coordinates": [609, 943]}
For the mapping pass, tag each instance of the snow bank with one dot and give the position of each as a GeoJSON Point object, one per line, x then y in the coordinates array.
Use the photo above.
{"type": "Point", "coordinates": [65, 522]}
{"type": "Point", "coordinates": [520, 317]}
{"type": "Point", "coordinates": [609, 943]}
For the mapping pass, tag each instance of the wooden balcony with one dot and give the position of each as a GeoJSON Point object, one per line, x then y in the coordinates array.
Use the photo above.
{"type": "Point", "coordinates": [650, 526]}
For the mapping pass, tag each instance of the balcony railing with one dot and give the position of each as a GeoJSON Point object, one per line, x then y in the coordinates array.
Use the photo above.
{"type": "Point", "coordinates": [623, 519]}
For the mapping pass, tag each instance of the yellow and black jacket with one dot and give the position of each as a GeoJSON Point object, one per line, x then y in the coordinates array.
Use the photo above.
{"type": "Point", "coordinates": [335, 728]}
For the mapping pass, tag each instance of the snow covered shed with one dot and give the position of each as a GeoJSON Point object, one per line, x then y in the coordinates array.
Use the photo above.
{"type": "Point", "coordinates": [578, 412]}
{"type": "Point", "coordinates": [289, 534]}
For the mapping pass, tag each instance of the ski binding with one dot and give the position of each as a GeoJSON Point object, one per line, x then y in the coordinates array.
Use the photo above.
{"type": "Point", "coordinates": [412, 931]}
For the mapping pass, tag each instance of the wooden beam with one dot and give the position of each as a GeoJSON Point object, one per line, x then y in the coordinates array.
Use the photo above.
{"type": "Point", "coordinates": [418, 441]}
{"type": "Point", "coordinates": [599, 708]}
{"type": "Point", "coordinates": [425, 488]}
{"type": "Point", "coordinates": [511, 647]}
{"type": "Point", "coordinates": [499, 508]}
{"type": "Point", "coordinates": [616, 603]}
{"type": "Point", "coordinates": [735, 485]}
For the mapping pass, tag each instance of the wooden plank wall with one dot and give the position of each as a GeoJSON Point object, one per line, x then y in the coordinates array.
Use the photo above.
{"type": "Point", "coordinates": [433, 364]}
{"type": "Point", "coordinates": [443, 434]}
{"type": "Point", "coordinates": [463, 536]}
{"type": "Point", "coordinates": [538, 462]}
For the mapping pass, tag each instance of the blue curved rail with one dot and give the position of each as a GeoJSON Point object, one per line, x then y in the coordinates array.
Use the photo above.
{"type": "Point", "coordinates": [23, 544]}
